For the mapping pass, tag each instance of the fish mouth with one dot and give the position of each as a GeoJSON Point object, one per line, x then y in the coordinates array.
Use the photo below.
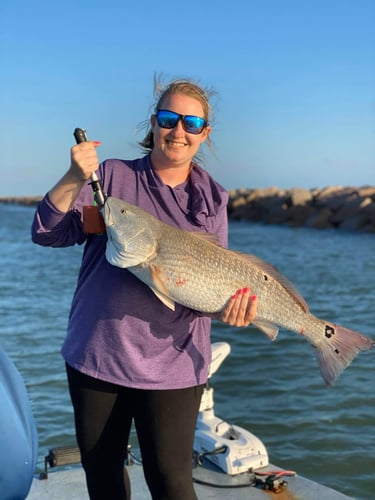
{"type": "Point", "coordinates": [107, 214]}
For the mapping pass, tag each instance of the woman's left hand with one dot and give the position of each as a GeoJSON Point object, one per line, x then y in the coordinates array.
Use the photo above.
{"type": "Point", "coordinates": [240, 310]}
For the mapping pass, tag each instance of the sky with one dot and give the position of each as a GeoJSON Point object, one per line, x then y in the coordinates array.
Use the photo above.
{"type": "Point", "coordinates": [295, 84]}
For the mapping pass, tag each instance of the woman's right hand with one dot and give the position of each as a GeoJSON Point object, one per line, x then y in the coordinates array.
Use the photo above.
{"type": "Point", "coordinates": [84, 160]}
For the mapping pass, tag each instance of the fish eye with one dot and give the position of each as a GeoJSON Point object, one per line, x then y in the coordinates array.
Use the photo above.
{"type": "Point", "coordinates": [123, 211]}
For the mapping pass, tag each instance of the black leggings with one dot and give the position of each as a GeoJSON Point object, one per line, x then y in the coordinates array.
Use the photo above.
{"type": "Point", "coordinates": [164, 421]}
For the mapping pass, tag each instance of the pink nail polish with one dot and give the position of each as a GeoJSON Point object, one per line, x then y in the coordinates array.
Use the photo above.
{"type": "Point", "coordinates": [254, 297]}
{"type": "Point", "coordinates": [246, 290]}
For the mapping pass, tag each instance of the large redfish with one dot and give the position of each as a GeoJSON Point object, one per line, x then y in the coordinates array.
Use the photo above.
{"type": "Point", "coordinates": [191, 269]}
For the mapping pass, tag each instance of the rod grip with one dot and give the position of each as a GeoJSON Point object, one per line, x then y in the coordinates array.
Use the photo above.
{"type": "Point", "coordinates": [80, 135]}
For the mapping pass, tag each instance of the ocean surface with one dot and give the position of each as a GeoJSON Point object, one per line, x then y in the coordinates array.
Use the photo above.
{"type": "Point", "coordinates": [273, 389]}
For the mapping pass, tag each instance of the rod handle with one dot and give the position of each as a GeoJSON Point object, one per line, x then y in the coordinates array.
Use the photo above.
{"type": "Point", "coordinates": [81, 136]}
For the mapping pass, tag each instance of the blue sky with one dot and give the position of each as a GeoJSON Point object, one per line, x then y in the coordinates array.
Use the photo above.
{"type": "Point", "coordinates": [295, 83]}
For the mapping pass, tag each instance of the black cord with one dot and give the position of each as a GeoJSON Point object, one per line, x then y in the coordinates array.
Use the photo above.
{"type": "Point", "coordinates": [227, 486]}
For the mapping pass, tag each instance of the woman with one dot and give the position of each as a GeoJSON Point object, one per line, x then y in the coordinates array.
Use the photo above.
{"type": "Point", "coordinates": [129, 357]}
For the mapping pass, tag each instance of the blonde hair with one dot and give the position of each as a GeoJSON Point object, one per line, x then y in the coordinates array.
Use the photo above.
{"type": "Point", "coordinates": [184, 87]}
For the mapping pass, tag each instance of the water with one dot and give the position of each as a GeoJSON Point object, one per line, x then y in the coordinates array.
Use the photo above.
{"type": "Point", "coordinates": [273, 389]}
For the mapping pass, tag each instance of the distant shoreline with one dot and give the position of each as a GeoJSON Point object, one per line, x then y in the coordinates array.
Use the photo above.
{"type": "Point", "coordinates": [21, 200]}
{"type": "Point", "coordinates": [335, 207]}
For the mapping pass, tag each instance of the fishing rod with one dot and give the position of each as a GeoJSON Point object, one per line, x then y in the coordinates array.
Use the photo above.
{"type": "Point", "coordinates": [93, 222]}
{"type": "Point", "coordinates": [99, 196]}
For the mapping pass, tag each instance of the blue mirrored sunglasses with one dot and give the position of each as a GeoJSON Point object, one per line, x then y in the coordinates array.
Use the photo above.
{"type": "Point", "coordinates": [191, 124]}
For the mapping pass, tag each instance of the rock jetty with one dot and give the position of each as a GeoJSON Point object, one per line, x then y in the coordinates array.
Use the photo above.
{"type": "Point", "coordinates": [335, 207]}
{"type": "Point", "coordinates": [21, 200]}
{"type": "Point", "coordinates": [347, 208]}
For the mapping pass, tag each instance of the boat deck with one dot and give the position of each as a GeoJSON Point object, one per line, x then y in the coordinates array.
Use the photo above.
{"type": "Point", "coordinates": [69, 484]}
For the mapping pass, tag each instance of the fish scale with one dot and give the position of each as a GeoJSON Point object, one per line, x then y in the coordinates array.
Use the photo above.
{"type": "Point", "coordinates": [216, 276]}
{"type": "Point", "coordinates": [192, 270]}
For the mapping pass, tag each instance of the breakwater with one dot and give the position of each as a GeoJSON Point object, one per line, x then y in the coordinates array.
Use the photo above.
{"type": "Point", "coordinates": [21, 200]}
{"type": "Point", "coordinates": [334, 207]}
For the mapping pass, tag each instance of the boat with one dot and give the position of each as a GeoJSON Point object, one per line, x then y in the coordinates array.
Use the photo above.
{"type": "Point", "coordinates": [228, 462]}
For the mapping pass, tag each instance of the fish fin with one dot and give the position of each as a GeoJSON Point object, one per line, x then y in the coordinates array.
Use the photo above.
{"type": "Point", "coordinates": [163, 298]}
{"type": "Point", "coordinates": [158, 278]}
{"type": "Point", "coordinates": [160, 289]}
{"type": "Point", "coordinates": [272, 271]}
{"type": "Point", "coordinates": [337, 350]}
{"type": "Point", "coordinates": [270, 329]}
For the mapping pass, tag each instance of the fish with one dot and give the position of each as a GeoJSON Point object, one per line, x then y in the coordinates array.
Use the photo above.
{"type": "Point", "coordinates": [192, 269]}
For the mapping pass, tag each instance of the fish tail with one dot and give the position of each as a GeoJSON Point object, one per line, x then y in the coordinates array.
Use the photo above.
{"type": "Point", "coordinates": [338, 349]}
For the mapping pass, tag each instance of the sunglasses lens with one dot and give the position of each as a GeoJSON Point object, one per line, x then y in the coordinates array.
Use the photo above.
{"type": "Point", "coordinates": [167, 119]}
{"type": "Point", "coordinates": [192, 124]}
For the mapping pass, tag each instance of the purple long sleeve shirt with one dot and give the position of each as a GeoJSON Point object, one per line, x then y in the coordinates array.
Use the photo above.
{"type": "Point", "coordinates": [118, 330]}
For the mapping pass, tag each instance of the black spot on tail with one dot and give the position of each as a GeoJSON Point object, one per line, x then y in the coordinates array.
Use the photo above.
{"type": "Point", "coordinates": [329, 331]}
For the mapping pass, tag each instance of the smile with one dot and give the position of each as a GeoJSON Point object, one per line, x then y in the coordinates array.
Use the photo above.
{"type": "Point", "coordinates": [175, 144]}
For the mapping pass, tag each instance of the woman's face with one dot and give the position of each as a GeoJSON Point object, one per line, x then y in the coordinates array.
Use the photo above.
{"type": "Point", "coordinates": [175, 147]}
